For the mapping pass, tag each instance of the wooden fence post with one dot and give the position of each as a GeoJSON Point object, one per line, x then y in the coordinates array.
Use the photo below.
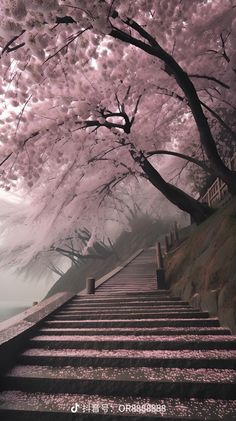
{"type": "Point", "coordinates": [161, 282]}
{"type": "Point", "coordinates": [171, 239]}
{"type": "Point", "coordinates": [160, 263]}
{"type": "Point", "coordinates": [90, 286]}
{"type": "Point", "coordinates": [161, 279]}
{"type": "Point", "coordinates": [176, 232]}
{"type": "Point", "coordinates": [166, 244]}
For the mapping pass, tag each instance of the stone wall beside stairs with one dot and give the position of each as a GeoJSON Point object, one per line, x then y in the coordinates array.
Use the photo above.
{"type": "Point", "coordinates": [202, 269]}
{"type": "Point", "coordinates": [218, 302]}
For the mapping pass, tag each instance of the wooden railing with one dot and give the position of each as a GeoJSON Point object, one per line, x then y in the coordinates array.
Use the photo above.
{"type": "Point", "coordinates": [218, 192]}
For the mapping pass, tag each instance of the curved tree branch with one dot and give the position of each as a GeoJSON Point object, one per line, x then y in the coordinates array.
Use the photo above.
{"type": "Point", "coordinates": [7, 47]}
{"type": "Point", "coordinates": [182, 156]}
{"type": "Point", "coordinates": [186, 85]}
{"type": "Point", "coordinates": [220, 120]}
{"type": "Point", "coordinates": [212, 78]}
{"type": "Point", "coordinates": [178, 197]}
{"type": "Point", "coordinates": [214, 113]}
{"type": "Point", "coordinates": [6, 158]}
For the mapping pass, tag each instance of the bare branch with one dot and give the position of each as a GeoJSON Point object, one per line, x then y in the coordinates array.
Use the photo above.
{"type": "Point", "coordinates": [5, 159]}
{"type": "Point", "coordinates": [214, 113]}
{"type": "Point", "coordinates": [212, 78]}
{"type": "Point", "coordinates": [220, 120]}
{"type": "Point", "coordinates": [118, 103]}
{"type": "Point", "coordinates": [56, 269]}
{"type": "Point", "coordinates": [99, 156]}
{"type": "Point", "coordinates": [65, 19]}
{"type": "Point", "coordinates": [134, 25]}
{"type": "Point", "coordinates": [22, 111]}
{"type": "Point", "coordinates": [76, 254]}
{"type": "Point", "coordinates": [112, 182]}
{"type": "Point", "coordinates": [72, 38]}
{"type": "Point", "coordinates": [223, 42]}
{"type": "Point", "coordinates": [96, 123]}
{"type": "Point", "coordinates": [7, 46]}
{"type": "Point", "coordinates": [127, 94]}
{"type": "Point", "coordinates": [176, 177]}
{"type": "Point", "coordinates": [135, 110]}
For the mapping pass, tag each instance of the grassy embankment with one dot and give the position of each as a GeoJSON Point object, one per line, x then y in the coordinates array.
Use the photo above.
{"type": "Point", "coordinates": [203, 269]}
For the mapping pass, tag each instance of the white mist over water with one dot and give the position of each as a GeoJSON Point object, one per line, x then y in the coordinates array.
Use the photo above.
{"type": "Point", "coordinates": [11, 308]}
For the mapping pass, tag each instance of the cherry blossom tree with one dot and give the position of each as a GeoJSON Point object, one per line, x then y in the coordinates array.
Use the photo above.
{"type": "Point", "coordinates": [99, 92]}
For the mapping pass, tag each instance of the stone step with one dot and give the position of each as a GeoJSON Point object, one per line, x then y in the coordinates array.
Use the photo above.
{"type": "Point", "coordinates": [138, 381]}
{"type": "Point", "coordinates": [118, 299]}
{"type": "Point", "coordinates": [130, 304]}
{"type": "Point", "coordinates": [134, 342]}
{"type": "Point", "coordinates": [224, 359]}
{"type": "Point", "coordinates": [126, 301]}
{"type": "Point", "coordinates": [124, 298]}
{"type": "Point", "coordinates": [137, 286]}
{"type": "Point", "coordinates": [174, 322]}
{"type": "Point", "coordinates": [139, 274]}
{"type": "Point", "coordinates": [18, 406]}
{"type": "Point", "coordinates": [136, 331]}
{"type": "Point", "coordinates": [122, 310]}
{"type": "Point", "coordinates": [124, 289]}
{"type": "Point", "coordinates": [111, 292]}
{"type": "Point", "coordinates": [130, 277]}
{"type": "Point", "coordinates": [127, 344]}
{"type": "Point", "coordinates": [132, 282]}
{"type": "Point", "coordinates": [134, 315]}
{"type": "Point", "coordinates": [156, 293]}
{"type": "Point", "coordinates": [68, 309]}
{"type": "Point", "coordinates": [134, 271]}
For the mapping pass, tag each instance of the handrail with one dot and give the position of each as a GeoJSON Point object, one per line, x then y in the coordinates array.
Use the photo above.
{"type": "Point", "coordinates": [218, 190]}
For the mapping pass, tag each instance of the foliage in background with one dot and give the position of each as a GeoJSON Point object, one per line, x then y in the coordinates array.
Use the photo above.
{"type": "Point", "coordinates": [143, 232]}
{"type": "Point", "coordinates": [96, 94]}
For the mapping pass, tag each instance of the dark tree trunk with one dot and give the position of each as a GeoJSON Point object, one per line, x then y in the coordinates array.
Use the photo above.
{"type": "Point", "coordinates": [173, 69]}
{"type": "Point", "coordinates": [206, 138]}
{"type": "Point", "coordinates": [199, 212]}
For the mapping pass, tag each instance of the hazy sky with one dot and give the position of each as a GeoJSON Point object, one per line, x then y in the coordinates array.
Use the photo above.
{"type": "Point", "coordinates": [14, 287]}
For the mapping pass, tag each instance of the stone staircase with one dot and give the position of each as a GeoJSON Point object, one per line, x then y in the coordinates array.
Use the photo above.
{"type": "Point", "coordinates": [128, 352]}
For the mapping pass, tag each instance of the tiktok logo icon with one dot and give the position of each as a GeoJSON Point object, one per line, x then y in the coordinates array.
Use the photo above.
{"type": "Point", "coordinates": [75, 408]}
